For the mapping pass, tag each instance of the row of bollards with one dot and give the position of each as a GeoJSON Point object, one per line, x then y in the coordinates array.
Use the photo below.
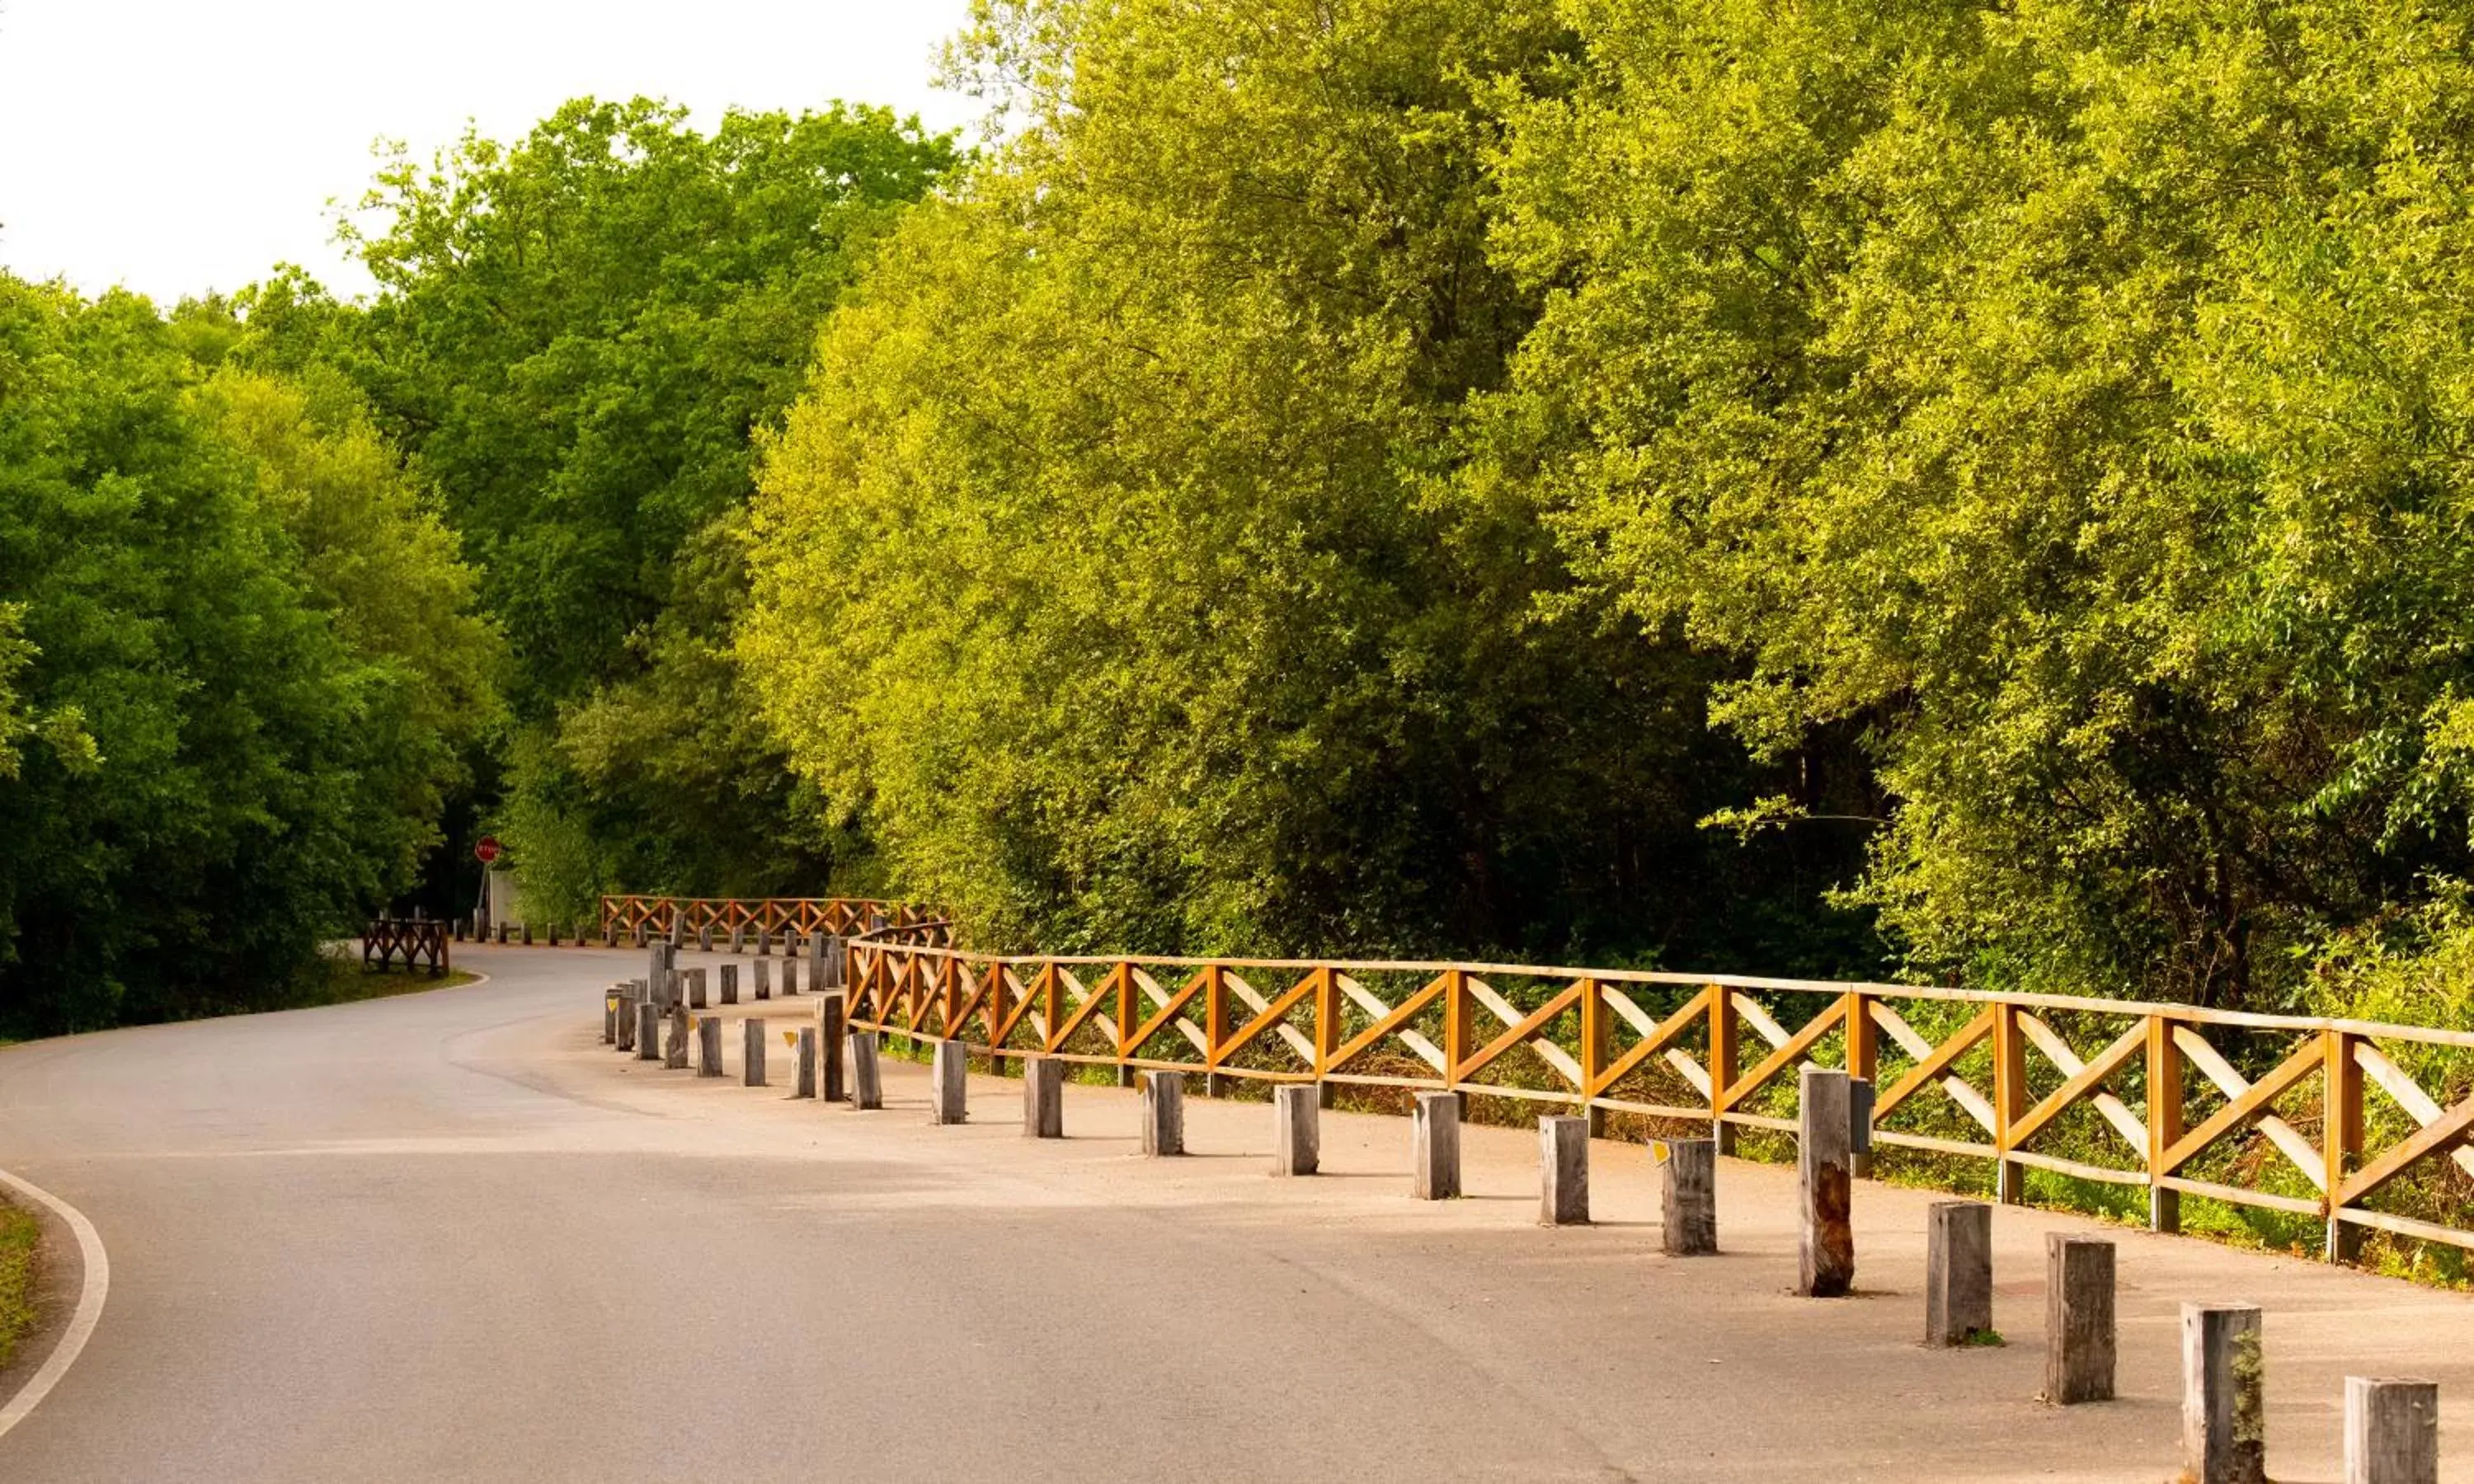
{"type": "Point", "coordinates": [2391, 1424]}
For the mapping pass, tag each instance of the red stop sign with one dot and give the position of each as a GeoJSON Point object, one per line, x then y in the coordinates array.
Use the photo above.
{"type": "Point", "coordinates": [486, 849]}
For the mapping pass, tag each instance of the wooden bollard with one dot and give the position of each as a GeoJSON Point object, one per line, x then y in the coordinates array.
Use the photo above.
{"type": "Point", "coordinates": [648, 1031]}
{"type": "Point", "coordinates": [1959, 1272]}
{"type": "Point", "coordinates": [1043, 1098]}
{"type": "Point", "coordinates": [610, 1014]}
{"type": "Point", "coordinates": [730, 984]}
{"type": "Point", "coordinates": [1164, 1114]}
{"type": "Point", "coordinates": [1688, 1196]}
{"type": "Point", "coordinates": [554, 935]}
{"type": "Point", "coordinates": [695, 988]}
{"type": "Point", "coordinates": [610, 935]}
{"type": "Point", "coordinates": [502, 935]}
{"type": "Point", "coordinates": [866, 1090]}
{"type": "Point", "coordinates": [704, 938]}
{"type": "Point", "coordinates": [789, 976]}
{"type": "Point", "coordinates": [948, 1083]}
{"type": "Point", "coordinates": [752, 1052]}
{"type": "Point", "coordinates": [707, 1045]}
{"type": "Point", "coordinates": [738, 938]}
{"type": "Point", "coordinates": [837, 963]}
{"type": "Point", "coordinates": [627, 996]}
{"type": "Point", "coordinates": [763, 979]}
{"type": "Point", "coordinates": [2224, 1413]}
{"type": "Point", "coordinates": [828, 1049]}
{"type": "Point", "coordinates": [804, 1049]}
{"type": "Point", "coordinates": [1434, 1147]}
{"type": "Point", "coordinates": [674, 1049]}
{"type": "Point", "coordinates": [1296, 1129]}
{"type": "Point", "coordinates": [1562, 1170]}
{"type": "Point", "coordinates": [764, 943]}
{"type": "Point", "coordinates": [2078, 1318]}
{"type": "Point", "coordinates": [526, 937]}
{"type": "Point", "coordinates": [1825, 1171]}
{"type": "Point", "coordinates": [2391, 1430]}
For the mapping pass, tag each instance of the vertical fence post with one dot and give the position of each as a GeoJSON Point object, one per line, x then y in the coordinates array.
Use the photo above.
{"type": "Point", "coordinates": [2009, 1101]}
{"type": "Point", "coordinates": [2341, 1139]}
{"type": "Point", "coordinates": [1164, 1114]}
{"type": "Point", "coordinates": [2164, 1122]}
{"type": "Point", "coordinates": [1826, 1268]}
{"type": "Point", "coordinates": [1959, 1272]}
{"type": "Point", "coordinates": [1687, 1195]}
{"type": "Point", "coordinates": [1722, 1065]}
{"type": "Point", "coordinates": [949, 1083]}
{"type": "Point", "coordinates": [1863, 1065]}
{"type": "Point", "coordinates": [1297, 1128]}
{"type": "Point", "coordinates": [2078, 1318]}
{"type": "Point", "coordinates": [1593, 1053]}
{"type": "Point", "coordinates": [1328, 1029]}
{"type": "Point", "coordinates": [1043, 1097]}
{"type": "Point", "coordinates": [2391, 1430]}
{"type": "Point", "coordinates": [1215, 1029]}
{"type": "Point", "coordinates": [1562, 1171]}
{"type": "Point", "coordinates": [2224, 1429]}
{"type": "Point", "coordinates": [1434, 1147]}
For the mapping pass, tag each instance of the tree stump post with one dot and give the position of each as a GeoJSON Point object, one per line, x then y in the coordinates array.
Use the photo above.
{"type": "Point", "coordinates": [1434, 1147]}
{"type": "Point", "coordinates": [1562, 1170]}
{"type": "Point", "coordinates": [1043, 1098]}
{"type": "Point", "coordinates": [1688, 1196]}
{"type": "Point", "coordinates": [1164, 1114]}
{"type": "Point", "coordinates": [2224, 1415]}
{"type": "Point", "coordinates": [1825, 1169]}
{"type": "Point", "coordinates": [1959, 1272]}
{"type": "Point", "coordinates": [2391, 1430]}
{"type": "Point", "coordinates": [949, 1082]}
{"type": "Point", "coordinates": [1297, 1128]}
{"type": "Point", "coordinates": [2078, 1318]}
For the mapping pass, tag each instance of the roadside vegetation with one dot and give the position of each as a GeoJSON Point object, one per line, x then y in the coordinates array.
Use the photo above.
{"type": "Point", "coordinates": [21, 1240]}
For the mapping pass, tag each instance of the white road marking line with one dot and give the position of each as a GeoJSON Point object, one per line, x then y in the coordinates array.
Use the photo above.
{"type": "Point", "coordinates": [89, 1305]}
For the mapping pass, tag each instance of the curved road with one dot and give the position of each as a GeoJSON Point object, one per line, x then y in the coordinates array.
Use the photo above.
{"type": "Point", "coordinates": [447, 1237]}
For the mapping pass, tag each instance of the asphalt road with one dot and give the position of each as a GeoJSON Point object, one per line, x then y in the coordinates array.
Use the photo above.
{"type": "Point", "coordinates": [447, 1237]}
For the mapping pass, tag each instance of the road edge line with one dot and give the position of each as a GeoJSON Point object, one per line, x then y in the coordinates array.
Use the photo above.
{"type": "Point", "coordinates": [95, 1287]}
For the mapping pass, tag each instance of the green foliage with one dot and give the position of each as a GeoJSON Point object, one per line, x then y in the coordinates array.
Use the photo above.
{"type": "Point", "coordinates": [2066, 397]}
{"type": "Point", "coordinates": [238, 754]}
{"type": "Point", "coordinates": [575, 337]}
{"type": "Point", "coordinates": [1112, 569]}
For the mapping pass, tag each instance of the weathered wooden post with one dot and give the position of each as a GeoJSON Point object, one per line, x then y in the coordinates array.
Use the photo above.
{"type": "Point", "coordinates": [1824, 1167]}
{"type": "Point", "coordinates": [804, 1050]}
{"type": "Point", "coordinates": [1959, 1272]}
{"type": "Point", "coordinates": [949, 1083]}
{"type": "Point", "coordinates": [837, 961]}
{"type": "Point", "coordinates": [707, 1045]}
{"type": "Point", "coordinates": [1297, 1128]}
{"type": "Point", "coordinates": [674, 1051]}
{"type": "Point", "coordinates": [626, 1039]}
{"type": "Point", "coordinates": [789, 976]}
{"type": "Point", "coordinates": [1434, 1147]}
{"type": "Point", "coordinates": [1687, 1195]}
{"type": "Point", "coordinates": [2224, 1413]}
{"type": "Point", "coordinates": [738, 938]}
{"type": "Point", "coordinates": [610, 1014]}
{"type": "Point", "coordinates": [763, 942]}
{"type": "Point", "coordinates": [1043, 1098]}
{"type": "Point", "coordinates": [763, 979]}
{"type": "Point", "coordinates": [610, 934]}
{"type": "Point", "coordinates": [2391, 1430]}
{"type": "Point", "coordinates": [819, 978]}
{"type": "Point", "coordinates": [730, 984]}
{"type": "Point", "coordinates": [648, 1031]}
{"type": "Point", "coordinates": [866, 1088]}
{"type": "Point", "coordinates": [2078, 1318]}
{"type": "Point", "coordinates": [1164, 1114]}
{"type": "Point", "coordinates": [1562, 1170]}
{"type": "Point", "coordinates": [695, 988]}
{"type": "Point", "coordinates": [704, 938]}
{"type": "Point", "coordinates": [829, 1048]}
{"type": "Point", "coordinates": [752, 1052]}
{"type": "Point", "coordinates": [554, 935]}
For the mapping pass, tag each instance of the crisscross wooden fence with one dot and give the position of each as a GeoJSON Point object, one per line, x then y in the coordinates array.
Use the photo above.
{"type": "Point", "coordinates": [2266, 1112]}
{"type": "Point", "coordinates": [838, 914]}
{"type": "Point", "coordinates": [419, 941]}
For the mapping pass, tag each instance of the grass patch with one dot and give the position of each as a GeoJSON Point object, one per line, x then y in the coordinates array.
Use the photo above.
{"type": "Point", "coordinates": [20, 1240]}
{"type": "Point", "coordinates": [340, 980]}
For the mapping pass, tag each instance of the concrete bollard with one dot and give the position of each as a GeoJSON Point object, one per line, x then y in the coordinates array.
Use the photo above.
{"type": "Point", "coordinates": [804, 1048]}
{"type": "Point", "coordinates": [1562, 1171]}
{"type": "Point", "coordinates": [1164, 1114]}
{"type": "Point", "coordinates": [648, 1031]}
{"type": "Point", "coordinates": [948, 1083]}
{"type": "Point", "coordinates": [1434, 1147]}
{"type": "Point", "coordinates": [866, 1090]}
{"type": "Point", "coordinates": [828, 1049]}
{"type": "Point", "coordinates": [1959, 1272]}
{"type": "Point", "coordinates": [763, 979]}
{"type": "Point", "coordinates": [2391, 1430]}
{"type": "Point", "coordinates": [707, 1045]}
{"type": "Point", "coordinates": [2224, 1416]}
{"type": "Point", "coordinates": [695, 988]}
{"type": "Point", "coordinates": [730, 984]}
{"type": "Point", "coordinates": [752, 1052]}
{"type": "Point", "coordinates": [2078, 1318]}
{"type": "Point", "coordinates": [1043, 1098]}
{"type": "Point", "coordinates": [1825, 1172]}
{"type": "Point", "coordinates": [1297, 1128]}
{"type": "Point", "coordinates": [1688, 1196]}
{"type": "Point", "coordinates": [674, 1044]}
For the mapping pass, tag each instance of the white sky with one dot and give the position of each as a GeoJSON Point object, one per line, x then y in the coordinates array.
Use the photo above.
{"type": "Point", "coordinates": [177, 146]}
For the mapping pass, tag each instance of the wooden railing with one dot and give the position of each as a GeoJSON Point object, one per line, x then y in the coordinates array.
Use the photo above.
{"type": "Point", "coordinates": [839, 914]}
{"type": "Point", "coordinates": [419, 941]}
{"type": "Point", "coordinates": [2264, 1111]}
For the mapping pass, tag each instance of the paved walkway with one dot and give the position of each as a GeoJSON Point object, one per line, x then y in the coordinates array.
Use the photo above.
{"type": "Point", "coordinates": [451, 1236]}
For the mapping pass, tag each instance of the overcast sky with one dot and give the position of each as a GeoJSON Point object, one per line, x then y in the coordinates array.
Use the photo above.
{"type": "Point", "coordinates": [176, 146]}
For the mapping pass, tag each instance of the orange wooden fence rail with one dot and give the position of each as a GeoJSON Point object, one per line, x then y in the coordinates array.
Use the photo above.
{"type": "Point", "coordinates": [765, 914]}
{"type": "Point", "coordinates": [2255, 1110]}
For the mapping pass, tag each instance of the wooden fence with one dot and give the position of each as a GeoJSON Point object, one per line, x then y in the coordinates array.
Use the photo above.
{"type": "Point", "coordinates": [419, 941]}
{"type": "Point", "coordinates": [2265, 1111]}
{"type": "Point", "coordinates": [838, 914]}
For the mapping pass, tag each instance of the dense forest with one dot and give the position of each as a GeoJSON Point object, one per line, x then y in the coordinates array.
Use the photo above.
{"type": "Point", "coordinates": [1965, 492]}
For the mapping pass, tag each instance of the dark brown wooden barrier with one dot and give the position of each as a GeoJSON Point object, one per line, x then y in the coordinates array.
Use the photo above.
{"type": "Point", "coordinates": [418, 940]}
